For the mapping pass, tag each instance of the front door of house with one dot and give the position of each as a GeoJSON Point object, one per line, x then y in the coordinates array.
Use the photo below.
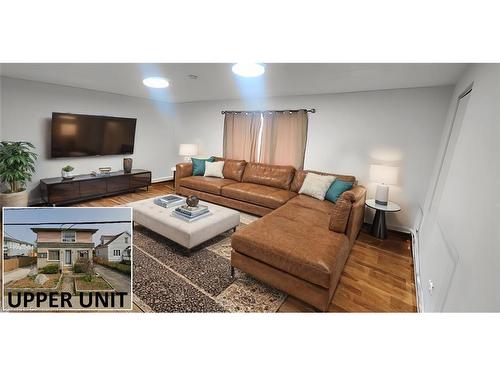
{"type": "Point", "coordinates": [67, 257]}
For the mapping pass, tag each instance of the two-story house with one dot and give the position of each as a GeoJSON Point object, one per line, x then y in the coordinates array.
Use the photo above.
{"type": "Point", "coordinates": [13, 247]}
{"type": "Point", "coordinates": [114, 248]}
{"type": "Point", "coordinates": [64, 246]}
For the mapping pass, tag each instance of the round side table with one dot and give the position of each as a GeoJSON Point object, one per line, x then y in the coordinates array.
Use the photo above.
{"type": "Point", "coordinates": [379, 228]}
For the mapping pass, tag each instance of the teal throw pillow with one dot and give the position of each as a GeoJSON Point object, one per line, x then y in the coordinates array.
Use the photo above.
{"type": "Point", "coordinates": [199, 165]}
{"type": "Point", "coordinates": [336, 189]}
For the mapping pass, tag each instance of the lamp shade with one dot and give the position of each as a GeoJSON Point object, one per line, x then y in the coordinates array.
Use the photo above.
{"type": "Point", "coordinates": [384, 174]}
{"type": "Point", "coordinates": [187, 149]}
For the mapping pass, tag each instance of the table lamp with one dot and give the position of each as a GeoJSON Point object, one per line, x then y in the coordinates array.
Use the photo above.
{"type": "Point", "coordinates": [384, 175]}
{"type": "Point", "coordinates": [187, 150]}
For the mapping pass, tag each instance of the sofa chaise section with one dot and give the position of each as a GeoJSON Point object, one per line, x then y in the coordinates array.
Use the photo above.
{"type": "Point", "coordinates": [301, 244]}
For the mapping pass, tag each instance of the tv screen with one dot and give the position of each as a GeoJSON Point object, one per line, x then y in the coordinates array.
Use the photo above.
{"type": "Point", "coordinates": [85, 135]}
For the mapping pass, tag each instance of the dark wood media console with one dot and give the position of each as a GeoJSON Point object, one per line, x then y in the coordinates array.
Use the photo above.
{"type": "Point", "coordinates": [57, 190]}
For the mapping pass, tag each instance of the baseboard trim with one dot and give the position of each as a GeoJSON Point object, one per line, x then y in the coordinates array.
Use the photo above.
{"type": "Point", "coordinates": [162, 179]}
{"type": "Point", "coordinates": [416, 270]}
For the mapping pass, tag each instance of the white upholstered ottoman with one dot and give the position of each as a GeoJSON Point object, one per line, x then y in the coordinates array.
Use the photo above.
{"type": "Point", "coordinates": [160, 220]}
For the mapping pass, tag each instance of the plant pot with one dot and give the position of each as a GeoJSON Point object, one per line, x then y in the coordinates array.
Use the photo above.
{"type": "Point", "coordinates": [19, 199]}
{"type": "Point", "coordinates": [65, 174]}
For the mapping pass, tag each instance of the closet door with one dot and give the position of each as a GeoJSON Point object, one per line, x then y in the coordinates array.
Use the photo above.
{"type": "Point", "coordinates": [441, 233]}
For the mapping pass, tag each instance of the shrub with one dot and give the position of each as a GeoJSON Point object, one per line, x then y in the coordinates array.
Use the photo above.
{"type": "Point", "coordinates": [50, 269]}
{"type": "Point", "coordinates": [83, 266]}
{"type": "Point", "coordinates": [87, 278]}
{"type": "Point", "coordinates": [120, 267]}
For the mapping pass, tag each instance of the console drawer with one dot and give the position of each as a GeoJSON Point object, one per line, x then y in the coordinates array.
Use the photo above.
{"type": "Point", "coordinates": [91, 188]}
{"type": "Point", "coordinates": [140, 180]}
{"type": "Point", "coordinates": [120, 183]}
{"type": "Point", "coordinates": [64, 192]}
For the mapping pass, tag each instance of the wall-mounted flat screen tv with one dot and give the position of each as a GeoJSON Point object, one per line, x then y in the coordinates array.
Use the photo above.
{"type": "Point", "coordinates": [85, 135]}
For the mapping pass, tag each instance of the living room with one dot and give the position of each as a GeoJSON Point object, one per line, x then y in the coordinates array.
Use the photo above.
{"type": "Point", "coordinates": [293, 180]}
{"type": "Point", "coordinates": [392, 116]}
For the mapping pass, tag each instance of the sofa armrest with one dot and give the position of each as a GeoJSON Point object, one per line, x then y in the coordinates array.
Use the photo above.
{"type": "Point", "coordinates": [357, 196]}
{"type": "Point", "coordinates": [340, 215]}
{"type": "Point", "coordinates": [356, 193]}
{"type": "Point", "coordinates": [182, 170]}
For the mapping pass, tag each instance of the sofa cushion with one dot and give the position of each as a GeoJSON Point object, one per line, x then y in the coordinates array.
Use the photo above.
{"type": "Point", "coordinates": [285, 242]}
{"type": "Point", "coordinates": [214, 169]}
{"type": "Point", "coordinates": [299, 177]}
{"type": "Point", "coordinates": [211, 185]}
{"type": "Point", "coordinates": [313, 203]}
{"type": "Point", "coordinates": [261, 195]}
{"type": "Point", "coordinates": [199, 165]}
{"type": "Point", "coordinates": [336, 189]}
{"type": "Point", "coordinates": [233, 169]}
{"type": "Point", "coordinates": [316, 185]}
{"type": "Point", "coordinates": [278, 176]}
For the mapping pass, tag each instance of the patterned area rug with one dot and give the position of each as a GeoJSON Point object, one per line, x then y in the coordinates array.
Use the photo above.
{"type": "Point", "coordinates": [166, 280]}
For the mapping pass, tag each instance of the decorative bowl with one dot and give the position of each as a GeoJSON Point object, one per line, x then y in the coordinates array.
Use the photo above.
{"type": "Point", "coordinates": [192, 201]}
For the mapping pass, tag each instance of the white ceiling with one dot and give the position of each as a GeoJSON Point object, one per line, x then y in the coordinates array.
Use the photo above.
{"type": "Point", "coordinates": [216, 81]}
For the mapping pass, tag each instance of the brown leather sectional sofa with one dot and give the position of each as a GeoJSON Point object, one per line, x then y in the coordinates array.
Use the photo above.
{"type": "Point", "coordinates": [301, 244]}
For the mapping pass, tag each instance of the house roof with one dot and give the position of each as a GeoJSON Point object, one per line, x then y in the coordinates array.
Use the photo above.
{"type": "Point", "coordinates": [113, 238]}
{"type": "Point", "coordinates": [91, 230]}
{"type": "Point", "coordinates": [8, 238]}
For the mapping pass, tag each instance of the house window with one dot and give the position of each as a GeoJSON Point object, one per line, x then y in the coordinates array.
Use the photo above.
{"type": "Point", "coordinates": [68, 236]}
{"type": "Point", "coordinates": [126, 239]}
{"type": "Point", "coordinates": [83, 254]}
{"type": "Point", "coordinates": [42, 255]}
{"type": "Point", "coordinates": [53, 254]}
{"type": "Point", "coordinates": [272, 137]}
{"type": "Point", "coordinates": [116, 253]}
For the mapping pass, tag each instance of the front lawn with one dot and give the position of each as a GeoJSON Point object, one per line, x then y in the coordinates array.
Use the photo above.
{"type": "Point", "coordinates": [29, 282]}
{"type": "Point", "coordinates": [84, 283]}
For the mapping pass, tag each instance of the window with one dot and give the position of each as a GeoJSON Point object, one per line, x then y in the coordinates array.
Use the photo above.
{"type": "Point", "coordinates": [272, 137]}
{"type": "Point", "coordinates": [53, 254]}
{"type": "Point", "coordinates": [126, 239]}
{"type": "Point", "coordinates": [42, 255]}
{"type": "Point", "coordinates": [83, 254]}
{"type": "Point", "coordinates": [68, 236]}
{"type": "Point", "coordinates": [116, 253]}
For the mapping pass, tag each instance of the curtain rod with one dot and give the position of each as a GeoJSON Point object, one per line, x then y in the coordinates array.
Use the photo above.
{"type": "Point", "coordinates": [312, 110]}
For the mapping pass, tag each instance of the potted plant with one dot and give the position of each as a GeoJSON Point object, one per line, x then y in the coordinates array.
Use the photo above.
{"type": "Point", "coordinates": [66, 171]}
{"type": "Point", "coordinates": [17, 165]}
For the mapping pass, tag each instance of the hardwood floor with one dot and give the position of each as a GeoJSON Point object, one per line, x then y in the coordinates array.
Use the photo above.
{"type": "Point", "coordinates": [378, 275]}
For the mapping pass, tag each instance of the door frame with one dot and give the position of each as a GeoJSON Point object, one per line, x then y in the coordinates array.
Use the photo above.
{"type": "Point", "coordinates": [70, 257]}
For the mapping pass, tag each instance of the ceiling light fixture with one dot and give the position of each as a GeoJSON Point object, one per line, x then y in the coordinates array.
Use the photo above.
{"type": "Point", "coordinates": [155, 82]}
{"type": "Point", "coordinates": [248, 69]}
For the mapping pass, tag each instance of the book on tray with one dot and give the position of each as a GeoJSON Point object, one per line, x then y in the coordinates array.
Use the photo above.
{"type": "Point", "coordinates": [191, 212]}
{"type": "Point", "coordinates": [169, 200]}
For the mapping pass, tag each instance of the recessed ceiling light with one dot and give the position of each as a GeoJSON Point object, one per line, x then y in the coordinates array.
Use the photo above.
{"type": "Point", "coordinates": [248, 69]}
{"type": "Point", "coordinates": [156, 82]}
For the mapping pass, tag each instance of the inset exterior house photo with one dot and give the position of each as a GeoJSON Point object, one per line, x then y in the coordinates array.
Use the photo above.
{"type": "Point", "coordinates": [67, 258]}
{"type": "Point", "coordinates": [66, 247]}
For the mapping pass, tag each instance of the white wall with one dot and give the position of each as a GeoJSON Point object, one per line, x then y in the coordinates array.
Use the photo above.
{"type": "Point", "coordinates": [27, 106]}
{"type": "Point", "coordinates": [348, 132]}
{"type": "Point", "coordinates": [459, 239]}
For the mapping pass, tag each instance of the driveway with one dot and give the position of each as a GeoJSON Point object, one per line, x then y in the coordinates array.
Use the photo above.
{"type": "Point", "coordinates": [119, 281]}
{"type": "Point", "coordinates": [16, 274]}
